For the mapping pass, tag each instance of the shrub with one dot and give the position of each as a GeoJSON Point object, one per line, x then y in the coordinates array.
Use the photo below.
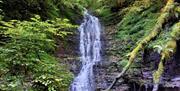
{"type": "Point", "coordinates": [26, 59]}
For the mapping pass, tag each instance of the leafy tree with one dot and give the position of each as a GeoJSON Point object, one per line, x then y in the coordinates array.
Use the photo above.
{"type": "Point", "coordinates": [26, 60]}
{"type": "Point", "coordinates": [47, 9]}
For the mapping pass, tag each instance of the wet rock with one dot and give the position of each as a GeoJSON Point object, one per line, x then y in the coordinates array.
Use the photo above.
{"type": "Point", "coordinates": [69, 52]}
{"type": "Point", "coordinates": [106, 70]}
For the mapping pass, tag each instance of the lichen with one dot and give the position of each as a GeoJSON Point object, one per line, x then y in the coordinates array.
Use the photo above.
{"type": "Point", "coordinates": [157, 74]}
{"type": "Point", "coordinates": [167, 51]}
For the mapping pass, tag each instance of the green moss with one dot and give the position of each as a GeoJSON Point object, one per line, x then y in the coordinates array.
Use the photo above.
{"type": "Point", "coordinates": [167, 50]}
{"type": "Point", "coordinates": [136, 24]}
{"type": "Point", "coordinates": [157, 74]}
{"type": "Point", "coordinates": [176, 31]}
{"type": "Point", "coordinates": [156, 29]}
{"type": "Point", "coordinates": [165, 36]}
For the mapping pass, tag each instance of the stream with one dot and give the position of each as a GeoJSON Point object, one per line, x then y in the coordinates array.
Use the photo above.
{"type": "Point", "coordinates": [90, 47]}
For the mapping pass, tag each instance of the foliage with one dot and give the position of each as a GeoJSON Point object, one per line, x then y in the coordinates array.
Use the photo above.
{"type": "Point", "coordinates": [136, 23]}
{"type": "Point", "coordinates": [164, 37]}
{"type": "Point", "coordinates": [165, 15]}
{"type": "Point", "coordinates": [1, 12]}
{"type": "Point", "coordinates": [26, 58]}
{"type": "Point", "coordinates": [100, 8]}
{"type": "Point", "coordinates": [47, 9]}
{"type": "Point", "coordinates": [176, 31]}
{"type": "Point", "coordinates": [166, 52]}
{"type": "Point", "coordinates": [70, 9]}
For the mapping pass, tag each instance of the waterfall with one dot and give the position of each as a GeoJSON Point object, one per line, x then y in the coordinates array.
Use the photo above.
{"type": "Point", "coordinates": [90, 47]}
{"type": "Point", "coordinates": [155, 87]}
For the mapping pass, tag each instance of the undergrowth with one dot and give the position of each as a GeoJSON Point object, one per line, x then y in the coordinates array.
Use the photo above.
{"type": "Point", "coordinates": [26, 57]}
{"type": "Point", "coordinates": [136, 24]}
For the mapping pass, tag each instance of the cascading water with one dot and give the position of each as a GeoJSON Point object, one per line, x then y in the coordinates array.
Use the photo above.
{"type": "Point", "coordinates": [155, 87]}
{"type": "Point", "coordinates": [90, 47]}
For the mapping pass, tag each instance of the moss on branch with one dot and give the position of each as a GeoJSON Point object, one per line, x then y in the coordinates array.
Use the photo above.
{"type": "Point", "coordinates": [167, 51]}
{"type": "Point", "coordinates": [164, 16]}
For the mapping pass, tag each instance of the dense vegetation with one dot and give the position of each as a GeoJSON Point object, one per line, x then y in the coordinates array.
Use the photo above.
{"type": "Point", "coordinates": [29, 29]}
{"type": "Point", "coordinates": [141, 24]}
{"type": "Point", "coordinates": [27, 48]}
{"type": "Point", "coordinates": [26, 57]}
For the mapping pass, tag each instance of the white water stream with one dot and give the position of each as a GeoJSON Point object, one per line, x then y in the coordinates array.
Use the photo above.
{"type": "Point", "coordinates": [90, 47]}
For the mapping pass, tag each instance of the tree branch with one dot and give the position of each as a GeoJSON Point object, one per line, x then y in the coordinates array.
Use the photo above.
{"type": "Point", "coordinates": [164, 16]}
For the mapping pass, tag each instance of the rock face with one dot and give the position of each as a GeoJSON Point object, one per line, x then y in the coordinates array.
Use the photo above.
{"type": "Point", "coordinates": [107, 69]}
{"type": "Point", "coordinates": [68, 52]}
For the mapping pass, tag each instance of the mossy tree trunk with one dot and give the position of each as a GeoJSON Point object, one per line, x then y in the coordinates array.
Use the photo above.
{"type": "Point", "coordinates": [164, 16]}
{"type": "Point", "coordinates": [168, 50]}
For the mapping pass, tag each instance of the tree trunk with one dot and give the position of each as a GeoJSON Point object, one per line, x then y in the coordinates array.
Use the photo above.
{"type": "Point", "coordinates": [164, 16]}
